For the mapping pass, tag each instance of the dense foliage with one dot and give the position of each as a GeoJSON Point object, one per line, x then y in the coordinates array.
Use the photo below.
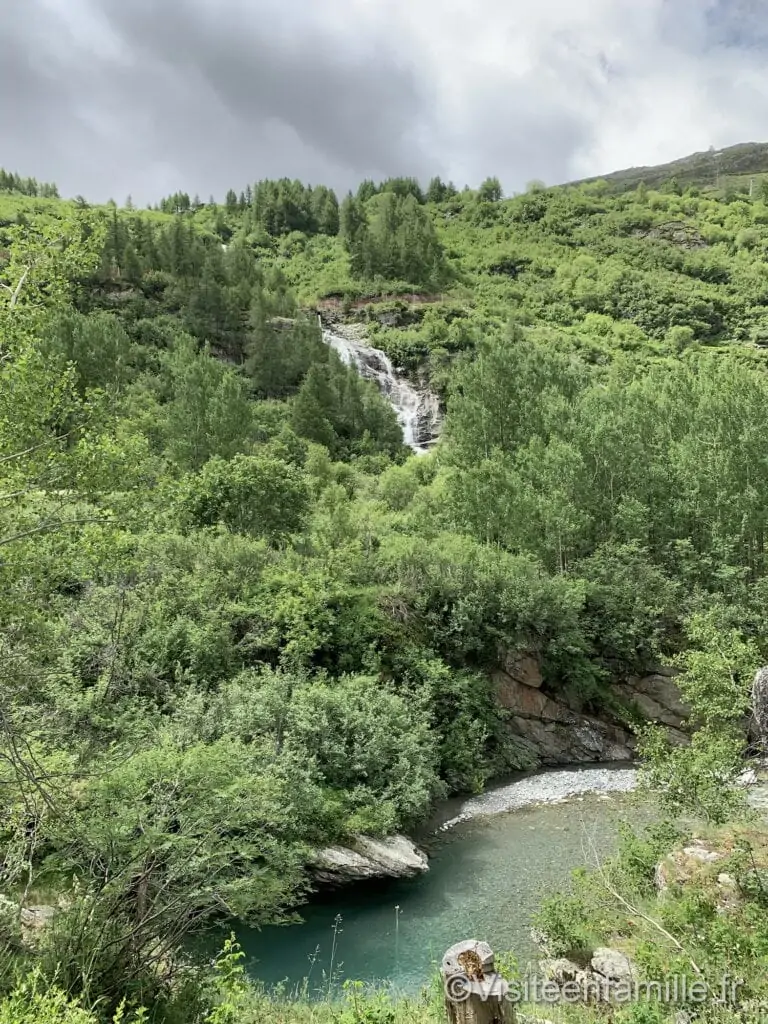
{"type": "Point", "coordinates": [239, 622]}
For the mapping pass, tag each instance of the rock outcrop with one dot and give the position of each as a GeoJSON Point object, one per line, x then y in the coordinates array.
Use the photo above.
{"type": "Point", "coordinates": [368, 858]}
{"type": "Point", "coordinates": [555, 732]}
{"type": "Point", "coordinates": [657, 697]}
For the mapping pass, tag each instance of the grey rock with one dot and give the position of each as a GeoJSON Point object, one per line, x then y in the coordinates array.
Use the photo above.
{"type": "Point", "coordinates": [35, 918]}
{"type": "Point", "coordinates": [560, 970]}
{"type": "Point", "coordinates": [657, 696]}
{"type": "Point", "coordinates": [366, 857]}
{"type": "Point", "coordinates": [679, 866]}
{"type": "Point", "coordinates": [702, 853]}
{"type": "Point", "coordinates": [555, 733]}
{"type": "Point", "coordinates": [521, 666]}
{"type": "Point", "coordinates": [576, 739]}
{"type": "Point", "coordinates": [609, 971]}
{"type": "Point", "coordinates": [612, 964]}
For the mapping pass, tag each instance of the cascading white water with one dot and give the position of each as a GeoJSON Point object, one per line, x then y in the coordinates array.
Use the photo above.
{"type": "Point", "coordinates": [417, 412]}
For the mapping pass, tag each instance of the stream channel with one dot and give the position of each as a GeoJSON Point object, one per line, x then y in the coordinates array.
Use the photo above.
{"type": "Point", "coordinates": [491, 858]}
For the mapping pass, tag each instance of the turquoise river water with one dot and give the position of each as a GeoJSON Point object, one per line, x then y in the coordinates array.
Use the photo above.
{"type": "Point", "coordinates": [486, 878]}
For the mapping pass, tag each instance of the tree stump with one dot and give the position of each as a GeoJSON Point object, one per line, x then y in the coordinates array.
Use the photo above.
{"type": "Point", "coordinates": [474, 992]}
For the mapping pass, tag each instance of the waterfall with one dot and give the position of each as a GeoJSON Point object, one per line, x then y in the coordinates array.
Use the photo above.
{"type": "Point", "coordinates": [418, 412]}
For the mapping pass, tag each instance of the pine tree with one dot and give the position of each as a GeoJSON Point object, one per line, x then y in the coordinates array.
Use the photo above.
{"type": "Point", "coordinates": [366, 190]}
{"type": "Point", "coordinates": [314, 408]}
{"type": "Point", "coordinates": [353, 227]}
{"type": "Point", "coordinates": [131, 267]}
{"type": "Point", "coordinates": [436, 191]}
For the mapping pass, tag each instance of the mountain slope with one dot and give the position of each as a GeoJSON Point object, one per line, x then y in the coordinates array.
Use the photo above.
{"type": "Point", "coordinates": [240, 622]}
{"type": "Point", "coordinates": [708, 169]}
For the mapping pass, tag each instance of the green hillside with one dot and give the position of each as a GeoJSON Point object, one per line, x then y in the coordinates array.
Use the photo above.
{"type": "Point", "coordinates": [718, 169]}
{"type": "Point", "coordinates": [241, 621]}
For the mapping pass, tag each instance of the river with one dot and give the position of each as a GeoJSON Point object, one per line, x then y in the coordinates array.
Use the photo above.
{"type": "Point", "coordinates": [487, 874]}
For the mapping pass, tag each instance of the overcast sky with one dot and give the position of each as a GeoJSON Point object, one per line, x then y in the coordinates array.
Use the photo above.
{"type": "Point", "coordinates": [111, 97]}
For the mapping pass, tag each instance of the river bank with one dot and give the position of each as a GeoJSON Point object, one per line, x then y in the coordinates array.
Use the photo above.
{"type": "Point", "coordinates": [543, 787]}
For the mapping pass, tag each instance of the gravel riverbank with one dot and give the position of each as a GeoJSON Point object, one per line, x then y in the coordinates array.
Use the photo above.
{"type": "Point", "coordinates": [545, 788]}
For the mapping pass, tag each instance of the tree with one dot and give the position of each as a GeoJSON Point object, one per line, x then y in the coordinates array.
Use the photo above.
{"type": "Point", "coordinates": [169, 840]}
{"type": "Point", "coordinates": [277, 358]}
{"type": "Point", "coordinates": [438, 191]}
{"type": "Point", "coordinates": [324, 208]}
{"type": "Point", "coordinates": [490, 191]}
{"type": "Point", "coordinates": [353, 227]}
{"type": "Point", "coordinates": [718, 671]}
{"type": "Point", "coordinates": [335, 407]}
{"type": "Point", "coordinates": [253, 494]}
{"type": "Point", "coordinates": [96, 346]}
{"type": "Point", "coordinates": [403, 187]}
{"type": "Point", "coordinates": [366, 190]}
{"type": "Point", "coordinates": [209, 413]}
{"type": "Point", "coordinates": [398, 242]}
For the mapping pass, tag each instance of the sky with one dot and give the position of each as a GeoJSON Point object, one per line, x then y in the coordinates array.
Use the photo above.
{"type": "Point", "coordinates": [110, 98]}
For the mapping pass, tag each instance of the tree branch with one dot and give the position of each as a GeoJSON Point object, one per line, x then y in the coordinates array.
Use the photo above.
{"type": "Point", "coordinates": [52, 526]}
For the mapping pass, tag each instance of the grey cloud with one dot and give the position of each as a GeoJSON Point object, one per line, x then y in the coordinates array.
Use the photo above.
{"type": "Point", "coordinates": [109, 97]}
{"type": "Point", "coordinates": [210, 98]}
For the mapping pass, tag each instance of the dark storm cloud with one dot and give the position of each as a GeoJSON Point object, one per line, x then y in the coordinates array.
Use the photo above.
{"type": "Point", "coordinates": [37, 124]}
{"type": "Point", "coordinates": [144, 97]}
{"type": "Point", "coordinates": [353, 107]}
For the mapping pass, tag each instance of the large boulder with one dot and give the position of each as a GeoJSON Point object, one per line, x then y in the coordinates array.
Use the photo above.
{"type": "Point", "coordinates": [367, 858]}
{"type": "Point", "coordinates": [612, 964]}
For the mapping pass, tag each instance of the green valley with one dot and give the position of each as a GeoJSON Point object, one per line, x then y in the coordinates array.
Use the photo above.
{"type": "Point", "coordinates": [241, 621]}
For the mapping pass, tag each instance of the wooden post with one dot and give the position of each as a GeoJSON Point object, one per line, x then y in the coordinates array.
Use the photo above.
{"type": "Point", "coordinates": [474, 992]}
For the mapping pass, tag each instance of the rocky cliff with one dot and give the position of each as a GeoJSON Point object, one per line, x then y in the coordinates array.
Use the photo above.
{"type": "Point", "coordinates": [556, 732]}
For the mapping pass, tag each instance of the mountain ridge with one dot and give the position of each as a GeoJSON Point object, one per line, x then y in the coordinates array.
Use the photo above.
{"type": "Point", "coordinates": [712, 167]}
